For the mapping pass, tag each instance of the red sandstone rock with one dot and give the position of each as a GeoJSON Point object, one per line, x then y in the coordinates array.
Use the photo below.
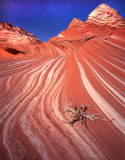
{"type": "Point", "coordinates": [102, 22]}
{"type": "Point", "coordinates": [105, 15]}
{"type": "Point", "coordinates": [82, 65]}
{"type": "Point", "coordinates": [15, 40]}
{"type": "Point", "coordinates": [75, 27]}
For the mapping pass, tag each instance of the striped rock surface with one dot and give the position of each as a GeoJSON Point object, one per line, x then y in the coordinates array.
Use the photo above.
{"type": "Point", "coordinates": [38, 85]}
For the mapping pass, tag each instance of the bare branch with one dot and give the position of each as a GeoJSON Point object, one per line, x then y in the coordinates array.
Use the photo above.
{"type": "Point", "coordinates": [81, 115]}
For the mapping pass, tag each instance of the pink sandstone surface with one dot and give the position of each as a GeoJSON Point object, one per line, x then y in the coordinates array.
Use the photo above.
{"type": "Point", "coordinates": [82, 65]}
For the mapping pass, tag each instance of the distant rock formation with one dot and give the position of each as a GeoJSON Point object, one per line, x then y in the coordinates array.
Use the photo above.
{"type": "Point", "coordinates": [105, 15]}
{"type": "Point", "coordinates": [9, 27]}
{"type": "Point", "coordinates": [15, 41]}
{"type": "Point", "coordinates": [75, 27]}
{"type": "Point", "coordinates": [102, 22]}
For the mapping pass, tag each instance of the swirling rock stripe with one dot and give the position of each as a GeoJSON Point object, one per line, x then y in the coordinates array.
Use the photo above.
{"type": "Point", "coordinates": [36, 90]}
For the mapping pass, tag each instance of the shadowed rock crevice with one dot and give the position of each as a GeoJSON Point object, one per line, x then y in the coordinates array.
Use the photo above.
{"type": "Point", "coordinates": [88, 38]}
{"type": "Point", "coordinates": [14, 51]}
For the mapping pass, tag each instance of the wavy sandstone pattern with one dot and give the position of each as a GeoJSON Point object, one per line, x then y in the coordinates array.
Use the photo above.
{"type": "Point", "coordinates": [36, 88]}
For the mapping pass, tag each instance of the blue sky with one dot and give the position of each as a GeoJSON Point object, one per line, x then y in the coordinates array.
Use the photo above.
{"type": "Point", "coordinates": [47, 18]}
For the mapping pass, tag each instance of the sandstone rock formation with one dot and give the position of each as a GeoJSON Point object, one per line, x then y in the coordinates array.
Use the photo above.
{"type": "Point", "coordinates": [105, 15]}
{"type": "Point", "coordinates": [82, 65]}
{"type": "Point", "coordinates": [15, 41]}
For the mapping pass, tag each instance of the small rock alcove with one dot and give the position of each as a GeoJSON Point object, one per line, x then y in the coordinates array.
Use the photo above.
{"type": "Point", "coordinates": [14, 51]}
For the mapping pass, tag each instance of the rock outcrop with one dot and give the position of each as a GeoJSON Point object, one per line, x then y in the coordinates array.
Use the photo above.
{"type": "Point", "coordinates": [75, 27]}
{"type": "Point", "coordinates": [105, 15]}
{"type": "Point", "coordinates": [15, 41]}
{"type": "Point", "coordinates": [82, 65]}
{"type": "Point", "coordinates": [102, 22]}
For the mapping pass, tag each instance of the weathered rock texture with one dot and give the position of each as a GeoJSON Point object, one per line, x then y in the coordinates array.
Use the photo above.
{"type": "Point", "coordinates": [105, 15]}
{"type": "Point", "coordinates": [82, 65]}
{"type": "Point", "coordinates": [15, 41]}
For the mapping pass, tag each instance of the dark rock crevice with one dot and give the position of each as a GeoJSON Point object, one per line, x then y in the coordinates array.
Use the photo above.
{"type": "Point", "coordinates": [14, 51]}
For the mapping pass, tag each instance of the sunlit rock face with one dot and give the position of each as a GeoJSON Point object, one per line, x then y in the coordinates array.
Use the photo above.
{"type": "Point", "coordinates": [82, 65]}
{"type": "Point", "coordinates": [74, 28]}
{"type": "Point", "coordinates": [102, 22]}
{"type": "Point", "coordinates": [15, 41]}
{"type": "Point", "coordinates": [105, 15]}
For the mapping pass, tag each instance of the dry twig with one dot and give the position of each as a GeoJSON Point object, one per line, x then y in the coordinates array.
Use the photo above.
{"type": "Point", "coordinates": [81, 115]}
